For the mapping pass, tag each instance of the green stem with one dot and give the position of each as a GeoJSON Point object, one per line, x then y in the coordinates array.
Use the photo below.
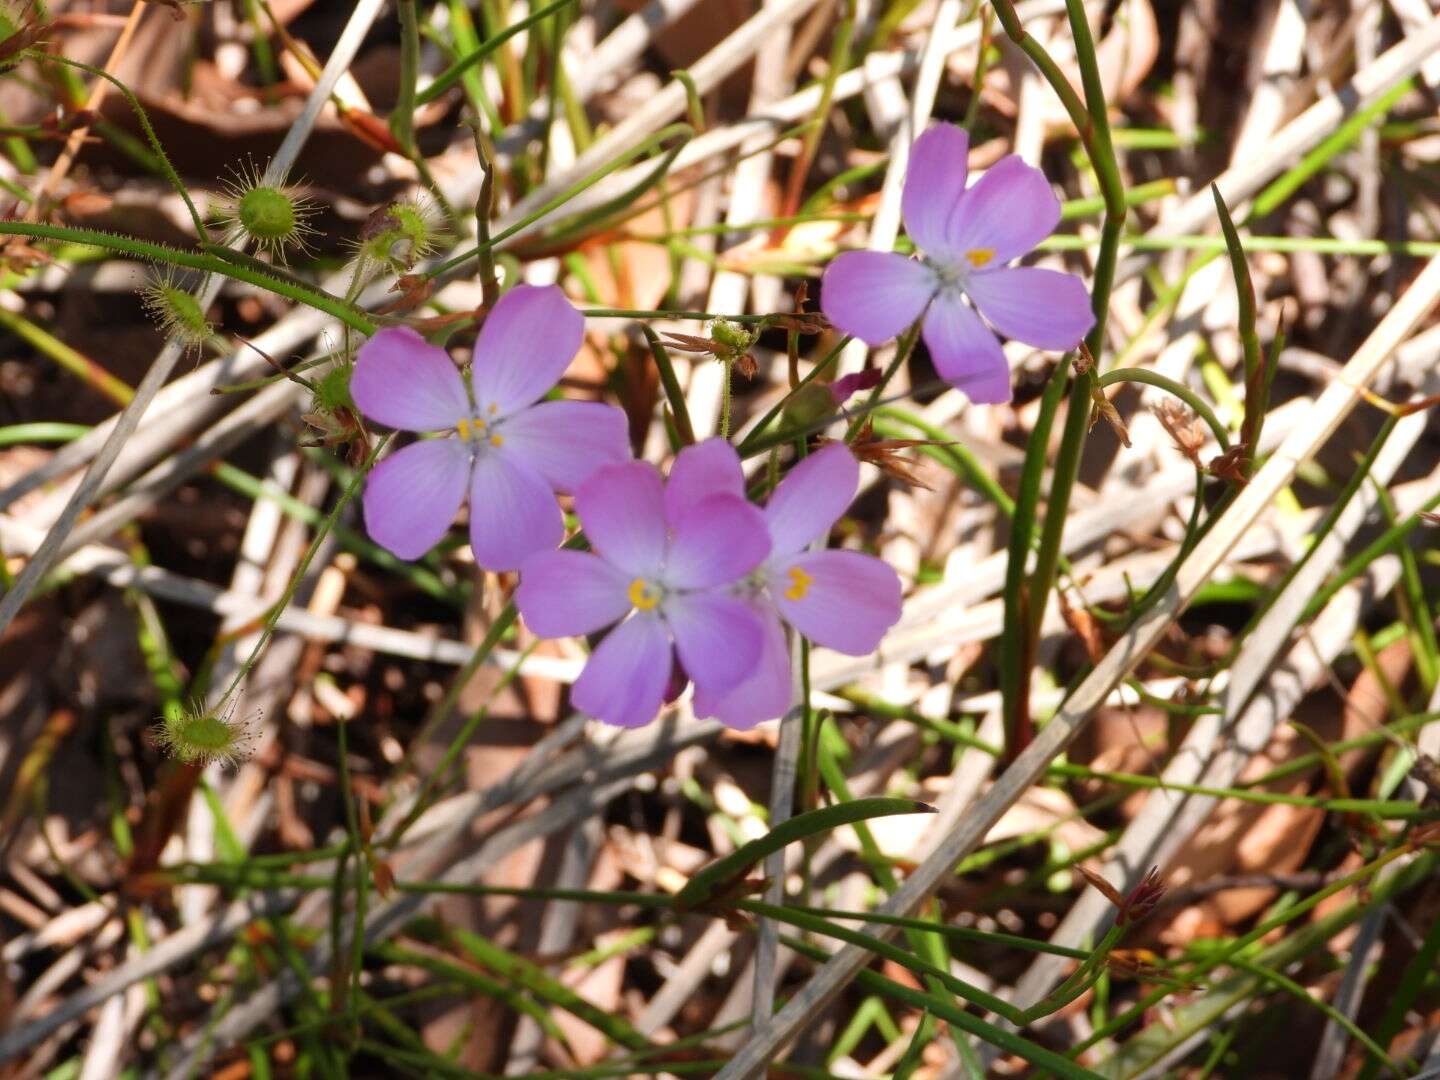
{"type": "Point", "coordinates": [1093, 123]}
{"type": "Point", "coordinates": [140, 115]}
{"type": "Point", "coordinates": [903, 348]}
{"type": "Point", "coordinates": [278, 608]}
{"type": "Point", "coordinates": [671, 385]}
{"type": "Point", "coordinates": [727, 379]}
{"type": "Point", "coordinates": [498, 629]}
{"type": "Point", "coordinates": [402, 117]}
{"type": "Point", "coordinates": [1180, 390]}
{"type": "Point", "coordinates": [682, 131]}
{"type": "Point", "coordinates": [210, 264]}
{"type": "Point", "coordinates": [1014, 650]}
{"type": "Point", "coordinates": [451, 75]}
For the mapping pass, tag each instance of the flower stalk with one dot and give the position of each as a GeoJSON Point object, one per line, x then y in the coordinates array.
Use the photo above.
{"type": "Point", "coordinates": [1092, 122]}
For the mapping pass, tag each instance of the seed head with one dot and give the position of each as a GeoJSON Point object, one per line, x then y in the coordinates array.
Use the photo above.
{"type": "Point", "coordinates": [275, 217]}
{"type": "Point", "coordinates": [397, 237]}
{"type": "Point", "coordinates": [332, 390]}
{"type": "Point", "coordinates": [177, 312]}
{"type": "Point", "coordinates": [198, 736]}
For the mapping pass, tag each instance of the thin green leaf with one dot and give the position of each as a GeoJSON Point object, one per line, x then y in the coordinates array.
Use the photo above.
{"type": "Point", "coordinates": [704, 886]}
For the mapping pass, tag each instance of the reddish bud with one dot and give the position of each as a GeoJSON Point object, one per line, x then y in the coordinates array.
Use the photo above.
{"type": "Point", "coordinates": [1142, 899]}
{"type": "Point", "coordinates": [847, 386]}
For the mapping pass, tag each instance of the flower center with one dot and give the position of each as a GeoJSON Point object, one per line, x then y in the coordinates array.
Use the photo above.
{"type": "Point", "coordinates": [476, 430]}
{"type": "Point", "coordinates": [800, 583]}
{"type": "Point", "coordinates": [948, 278]}
{"type": "Point", "coordinates": [643, 594]}
{"type": "Point", "coordinates": [979, 257]}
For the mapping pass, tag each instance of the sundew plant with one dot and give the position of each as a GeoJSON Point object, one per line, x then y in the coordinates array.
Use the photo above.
{"type": "Point", "coordinates": [792, 539]}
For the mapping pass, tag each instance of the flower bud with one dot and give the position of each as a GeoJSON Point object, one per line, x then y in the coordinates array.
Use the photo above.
{"type": "Point", "coordinates": [809, 406]}
{"type": "Point", "coordinates": [731, 335]}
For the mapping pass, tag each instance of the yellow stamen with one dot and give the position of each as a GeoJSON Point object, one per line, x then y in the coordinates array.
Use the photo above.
{"type": "Point", "coordinates": [979, 257]}
{"type": "Point", "coordinates": [643, 595]}
{"type": "Point", "coordinates": [800, 583]}
{"type": "Point", "coordinates": [493, 409]}
{"type": "Point", "coordinates": [496, 440]}
{"type": "Point", "coordinates": [466, 427]}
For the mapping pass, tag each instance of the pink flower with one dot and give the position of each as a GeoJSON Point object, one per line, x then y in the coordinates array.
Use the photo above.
{"type": "Point", "coordinates": [967, 238]}
{"type": "Point", "coordinates": [512, 450]}
{"type": "Point", "coordinates": [663, 562]}
{"type": "Point", "coordinates": [843, 600]}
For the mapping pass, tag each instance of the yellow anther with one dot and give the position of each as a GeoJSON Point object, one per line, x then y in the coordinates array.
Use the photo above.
{"type": "Point", "coordinates": [493, 409]}
{"type": "Point", "coordinates": [643, 595]}
{"type": "Point", "coordinates": [800, 583]}
{"type": "Point", "coordinates": [466, 427]}
{"type": "Point", "coordinates": [496, 440]}
{"type": "Point", "coordinates": [979, 257]}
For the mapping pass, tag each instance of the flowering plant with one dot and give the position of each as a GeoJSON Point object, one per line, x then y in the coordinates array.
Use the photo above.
{"type": "Point", "coordinates": [511, 450]}
{"type": "Point", "coordinates": [966, 236]}
{"type": "Point", "coordinates": [843, 600]}
{"type": "Point", "coordinates": [664, 561]}
{"type": "Point", "coordinates": [691, 580]}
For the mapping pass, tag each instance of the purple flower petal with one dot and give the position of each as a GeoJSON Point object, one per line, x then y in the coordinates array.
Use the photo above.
{"type": "Point", "coordinates": [1008, 211]}
{"type": "Point", "coordinates": [934, 184]}
{"type": "Point", "coordinates": [708, 468]}
{"type": "Point", "coordinates": [874, 294]}
{"type": "Point", "coordinates": [566, 441]}
{"type": "Point", "coordinates": [847, 386]}
{"type": "Point", "coordinates": [766, 693]}
{"type": "Point", "coordinates": [718, 540]}
{"type": "Point", "coordinates": [625, 678]}
{"type": "Point", "coordinates": [564, 593]}
{"type": "Point", "coordinates": [965, 352]}
{"type": "Point", "coordinates": [811, 498]}
{"type": "Point", "coordinates": [513, 513]}
{"type": "Point", "coordinates": [402, 381]}
{"type": "Point", "coordinates": [526, 344]}
{"type": "Point", "coordinates": [840, 599]}
{"type": "Point", "coordinates": [1044, 308]}
{"type": "Point", "coordinates": [622, 508]}
{"type": "Point", "coordinates": [717, 637]}
{"type": "Point", "coordinates": [411, 497]}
